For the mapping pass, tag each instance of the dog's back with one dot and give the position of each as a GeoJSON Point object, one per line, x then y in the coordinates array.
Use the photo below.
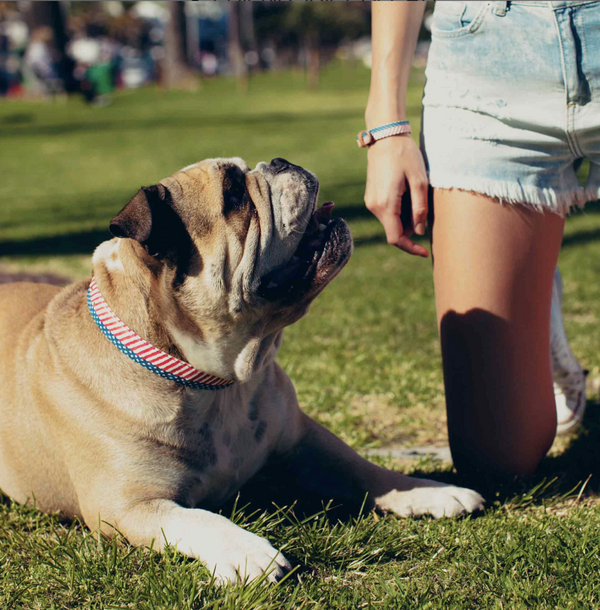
{"type": "Point", "coordinates": [22, 307]}
{"type": "Point", "coordinates": [19, 303]}
{"type": "Point", "coordinates": [22, 319]}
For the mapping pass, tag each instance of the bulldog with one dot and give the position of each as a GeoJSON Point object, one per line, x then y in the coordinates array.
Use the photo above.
{"type": "Point", "coordinates": [147, 396]}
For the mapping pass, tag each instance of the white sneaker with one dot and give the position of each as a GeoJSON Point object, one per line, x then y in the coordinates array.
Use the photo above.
{"type": "Point", "coordinates": [569, 395]}
{"type": "Point", "coordinates": [569, 376]}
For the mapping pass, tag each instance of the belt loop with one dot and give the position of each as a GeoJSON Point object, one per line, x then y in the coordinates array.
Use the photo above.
{"type": "Point", "coordinates": [500, 8]}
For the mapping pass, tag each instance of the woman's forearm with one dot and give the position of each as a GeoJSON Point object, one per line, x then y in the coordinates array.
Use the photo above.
{"type": "Point", "coordinates": [395, 31]}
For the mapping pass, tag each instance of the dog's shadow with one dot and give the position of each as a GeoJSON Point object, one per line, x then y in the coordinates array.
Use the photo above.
{"type": "Point", "coordinates": [567, 475]}
{"type": "Point", "coordinates": [271, 497]}
{"type": "Point", "coordinates": [270, 490]}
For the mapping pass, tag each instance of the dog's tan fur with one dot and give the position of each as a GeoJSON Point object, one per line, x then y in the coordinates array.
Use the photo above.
{"type": "Point", "coordinates": [86, 431]}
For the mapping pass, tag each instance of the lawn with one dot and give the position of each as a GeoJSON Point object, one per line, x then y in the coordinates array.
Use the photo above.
{"type": "Point", "coordinates": [365, 363]}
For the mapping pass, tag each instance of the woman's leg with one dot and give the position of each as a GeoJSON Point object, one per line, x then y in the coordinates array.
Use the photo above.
{"type": "Point", "coordinates": [493, 271]}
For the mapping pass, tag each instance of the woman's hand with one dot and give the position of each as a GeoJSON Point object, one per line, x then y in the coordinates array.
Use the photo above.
{"type": "Point", "coordinates": [393, 163]}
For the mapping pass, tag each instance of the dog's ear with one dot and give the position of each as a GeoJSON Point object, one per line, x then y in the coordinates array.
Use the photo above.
{"type": "Point", "coordinates": [135, 219]}
{"type": "Point", "coordinates": [150, 219]}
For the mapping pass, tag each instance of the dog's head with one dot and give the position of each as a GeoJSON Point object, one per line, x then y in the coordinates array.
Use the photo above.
{"type": "Point", "coordinates": [235, 255]}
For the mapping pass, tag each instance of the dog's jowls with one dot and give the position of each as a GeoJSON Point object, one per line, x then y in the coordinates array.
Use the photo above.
{"type": "Point", "coordinates": [209, 265]}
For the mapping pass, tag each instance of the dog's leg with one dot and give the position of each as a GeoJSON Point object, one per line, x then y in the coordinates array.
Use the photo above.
{"type": "Point", "coordinates": [322, 463]}
{"type": "Point", "coordinates": [228, 551]}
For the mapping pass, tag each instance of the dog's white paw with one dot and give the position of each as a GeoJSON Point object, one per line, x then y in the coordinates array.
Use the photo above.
{"type": "Point", "coordinates": [247, 558]}
{"type": "Point", "coordinates": [233, 554]}
{"type": "Point", "coordinates": [430, 498]}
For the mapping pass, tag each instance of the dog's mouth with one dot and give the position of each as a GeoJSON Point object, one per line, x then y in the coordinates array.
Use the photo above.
{"type": "Point", "coordinates": [323, 250]}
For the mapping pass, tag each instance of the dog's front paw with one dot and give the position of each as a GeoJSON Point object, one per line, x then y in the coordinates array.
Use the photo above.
{"type": "Point", "coordinates": [233, 554]}
{"type": "Point", "coordinates": [247, 558]}
{"type": "Point", "coordinates": [430, 498]}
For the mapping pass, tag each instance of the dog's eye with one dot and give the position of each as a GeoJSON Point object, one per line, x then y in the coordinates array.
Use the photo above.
{"type": "Point", "coordinates": [234, 190]}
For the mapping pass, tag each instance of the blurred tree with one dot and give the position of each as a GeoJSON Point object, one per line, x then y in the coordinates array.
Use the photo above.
{"type": "Point", "coordinates": [46, 14]}
{"type": "Point", "coordinates": [235, 51]}
{"type": "Point", "coordinates": [49, 14]}
{"type": "Point", "coordinates": [312, 27]}
{"type": "Point", "coordinates": [7, 8]}
{"type": "Point", "coordinates": [177, 73]}
{"type": "Point", "coordinates": [93, 18]}
{"type": "Point", "coordinates": [248, 32]}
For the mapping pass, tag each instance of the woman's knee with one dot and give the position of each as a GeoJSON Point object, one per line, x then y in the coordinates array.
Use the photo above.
{"type": "Point", "coordinates": [499, 394]}
{"type": "Point", "coordinates": [510, 451]}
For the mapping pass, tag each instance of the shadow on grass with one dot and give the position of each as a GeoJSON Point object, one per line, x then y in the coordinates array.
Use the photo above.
{"type": "Point", "coordinates": [173, 122]}
{"type": "Point", "coordinates": [582, 458]}
{"type": "Point", "coordinates": [18, 118]}
{"type": "Point", "coordinates": [593, 207]}
{"type": "Point", "coordinates": [580, 238]}
{"type": "Point", "coordinates": [351, 212]}
{"type": "Point", "coordinates": [83, 242]}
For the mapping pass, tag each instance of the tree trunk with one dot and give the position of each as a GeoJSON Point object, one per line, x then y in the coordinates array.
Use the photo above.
{"type": "Point", "coordinates": [49, 14]}
{"type": "Point", "coordinates": [248, 32]}
{"type": "Point", "coordinates": [177, 73]}
{"type": "Point", "coordinates": [52, 15]}
{"type": "Point", "coordinates": [234, 47]}
{"type": "Point", "coordinates": [312, 50]}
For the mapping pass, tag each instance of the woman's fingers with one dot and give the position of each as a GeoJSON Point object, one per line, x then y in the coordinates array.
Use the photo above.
{"type": "Point", "coordinates": [418, 193]}
{"type": "Point", "coordinates": [393, 163]}
{"type": "Point", "coordinates": [396, 236]}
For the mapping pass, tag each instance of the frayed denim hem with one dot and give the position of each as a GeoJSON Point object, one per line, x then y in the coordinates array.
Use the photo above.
{"type": "Point", "coordinates": [540, 199]}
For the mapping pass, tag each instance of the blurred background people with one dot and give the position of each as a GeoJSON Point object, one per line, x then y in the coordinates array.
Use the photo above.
{"type": "Point", "coordinates": [40, 69]}
{"type": "Point", "coordinates": [93, 48]}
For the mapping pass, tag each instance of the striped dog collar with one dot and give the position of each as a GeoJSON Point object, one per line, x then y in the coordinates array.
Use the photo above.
{"type": "Point", "coordinates": [144, 353]}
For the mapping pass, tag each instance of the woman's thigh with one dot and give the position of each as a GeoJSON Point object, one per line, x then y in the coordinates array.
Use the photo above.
{"type": "Point", "coordinates": [493, 271]}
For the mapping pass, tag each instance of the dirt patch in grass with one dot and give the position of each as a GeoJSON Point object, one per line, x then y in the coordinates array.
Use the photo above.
{"type": "Point", "coordinates": [390, 424]}
{"type": "Point", "coordinates": [37, 278]}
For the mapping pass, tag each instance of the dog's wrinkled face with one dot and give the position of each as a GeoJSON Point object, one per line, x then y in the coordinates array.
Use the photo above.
{"type": "Point", "coordinates": [236, 255]}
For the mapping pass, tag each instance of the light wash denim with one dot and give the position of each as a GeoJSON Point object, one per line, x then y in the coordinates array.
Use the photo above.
{"type": "Point", "coordinates": [511, 105]}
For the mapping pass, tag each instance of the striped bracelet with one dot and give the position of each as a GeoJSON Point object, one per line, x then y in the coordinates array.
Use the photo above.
{"type": "Point", "coordinates": [370, 136]}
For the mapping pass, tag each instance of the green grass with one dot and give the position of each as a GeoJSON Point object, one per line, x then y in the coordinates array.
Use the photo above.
{"type": "Point", "coordinates": [365, 363]}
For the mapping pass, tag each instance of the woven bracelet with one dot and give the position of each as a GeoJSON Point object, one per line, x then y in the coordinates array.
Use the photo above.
{"type": "Point", "coordinates": [368, 137]}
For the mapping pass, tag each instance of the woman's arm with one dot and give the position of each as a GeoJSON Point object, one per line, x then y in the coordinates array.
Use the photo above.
{"type": "Point", "coordinates": [394, 37]}
{"type": "Point", "coordinates": [395, 160]}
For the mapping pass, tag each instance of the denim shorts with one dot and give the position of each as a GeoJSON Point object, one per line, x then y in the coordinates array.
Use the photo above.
{"type": "Point", "coordinates": [511, 105]}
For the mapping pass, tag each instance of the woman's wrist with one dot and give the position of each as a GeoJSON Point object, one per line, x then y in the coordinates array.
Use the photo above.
{"type": "Point", "coordinates": [382, 114]}
{"type": "Point", "coordinates": [387, 96]}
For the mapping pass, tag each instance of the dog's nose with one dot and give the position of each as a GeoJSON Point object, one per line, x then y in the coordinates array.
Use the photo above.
{"type": "Point", "coordinates": [279, 164]}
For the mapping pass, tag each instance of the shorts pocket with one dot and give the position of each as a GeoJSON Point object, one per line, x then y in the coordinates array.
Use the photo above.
{"type": "Point", "coordinates": [456, 19]}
